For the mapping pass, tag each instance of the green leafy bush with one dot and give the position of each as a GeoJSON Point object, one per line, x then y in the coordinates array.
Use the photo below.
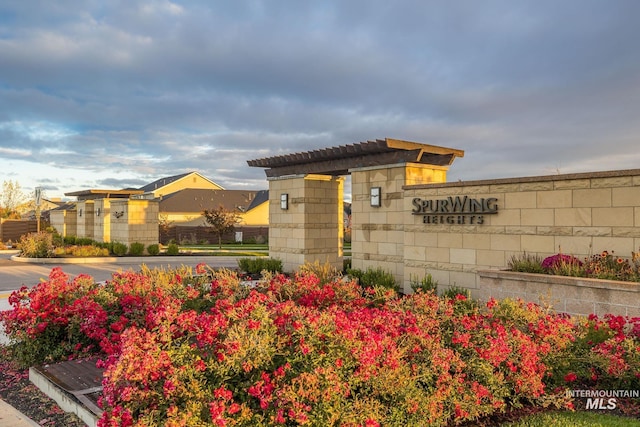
{"type": "Point", "coordinates": [84, 241]}
{"type": "Point", "coordinates": [153, 249]}
{"type": "Point", "coordinates": [69, 240]}
{"type": "Point", "coordinates": [136, 249]}
{"type": "Point", "coordinates": [119, 249]}
{"type": "Point", "coordinates": [526, 263]}
{"type": "Point", "coordinates": [426, 284]}
{"type": "Point", "coordinates": [259, 264]}
{"type": "Point", "coordinates": [173, 249]}
{"type": "Point", "coordinates": [374, 277]}
{"type": "Point", "coordinates": [37, 245]}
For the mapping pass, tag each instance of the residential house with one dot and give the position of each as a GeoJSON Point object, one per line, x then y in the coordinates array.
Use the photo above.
{"type": "Point", "coordinates": [181, 200]}
{"type": "Point", "coordinates": [164, 186]}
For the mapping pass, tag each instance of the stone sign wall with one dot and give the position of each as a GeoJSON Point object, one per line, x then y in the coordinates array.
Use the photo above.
{"type": "Point", "coordinates": [577, 214]}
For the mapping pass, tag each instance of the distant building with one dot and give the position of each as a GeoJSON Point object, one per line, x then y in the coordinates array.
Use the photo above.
{"type": "Point", "coordinates": [180, 200]}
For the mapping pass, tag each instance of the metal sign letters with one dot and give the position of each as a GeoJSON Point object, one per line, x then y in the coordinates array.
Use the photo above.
{"type": "Point", "coordinates": [458, 210]}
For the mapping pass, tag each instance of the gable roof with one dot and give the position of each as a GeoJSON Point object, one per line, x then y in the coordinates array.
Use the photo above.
{"type": "Point", "coordinates": [66, 206]}
{"type": "Point", "coordinates": [261, 197]}
{"type": "Point", "coordinates": [197, 200]}
{"type": "Point", "coordinates": [158, 183]}
{"type": "Point", "coordinates": [162, 182]}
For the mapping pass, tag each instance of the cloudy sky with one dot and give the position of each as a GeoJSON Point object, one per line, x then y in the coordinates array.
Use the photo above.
{"type": "Point", "coordinates": [116, 94]}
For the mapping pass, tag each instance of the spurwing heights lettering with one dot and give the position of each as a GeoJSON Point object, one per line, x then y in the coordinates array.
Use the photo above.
{"type": "Point", "coordinates": [458, 210]}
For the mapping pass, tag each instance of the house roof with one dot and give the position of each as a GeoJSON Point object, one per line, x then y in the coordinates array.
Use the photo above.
{"type": "Point", "coordinates": [197, 200]}
{"type": "Point", "coordinates": [102, 194]}
{"type": "Point", "coordinates": [261, 197]}
{"type": "Point", "coordinates": [66, 206]}
{"type": "Point", "coordinates": [159, 183]}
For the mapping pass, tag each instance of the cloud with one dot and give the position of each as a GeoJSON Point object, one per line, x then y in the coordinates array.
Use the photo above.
{"type": "Point", "coordinates": [127, 92]}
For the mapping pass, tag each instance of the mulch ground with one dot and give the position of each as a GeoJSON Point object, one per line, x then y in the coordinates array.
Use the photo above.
{"type": "Point", "coordinates": [19, 392]}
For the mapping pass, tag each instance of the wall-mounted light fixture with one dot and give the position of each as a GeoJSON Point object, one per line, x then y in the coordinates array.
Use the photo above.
{"type": "Point", "coordinates": [98, 212]}
{"type": "Point", "coordinates": [118, 214]}
{"type": "Point", "coordinates": [80, 212]}
{"type": "Point", "coordinates": [376, 199]}
{"type": "Point", "coordinates": [284, 201]}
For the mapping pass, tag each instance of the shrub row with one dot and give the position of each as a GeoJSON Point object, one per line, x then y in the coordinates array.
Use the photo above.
{"type": "Point", "coordinates": [259, 264]}
{"type": "Point", "coordinates": [185, 349]}
{"type": "Point", "coordinates": [45, 244]}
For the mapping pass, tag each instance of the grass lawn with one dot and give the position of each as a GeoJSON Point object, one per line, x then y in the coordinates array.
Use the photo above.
{"type": "Point", "coordinates": [574, 419]}
{"type": "Point", "coordinates": [227, 250]}
{"type": "Point", "coordinates": [236, 249]}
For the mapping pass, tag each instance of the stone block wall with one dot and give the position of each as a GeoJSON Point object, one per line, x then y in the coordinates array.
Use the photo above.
{"type": "Point", "coordinates": [85, 218]}
{"type": "Point", "coordinates": [378, 233]}
{"type": "Point", "coordinates": [102, 221]}
{"type": "Point", "coordinates": [310, 228]}
{"type": "Point", "coordinates": [577, 214]}
{"type": "Point", "coordinates": [572, 295]}
{"type": "Point", "coordinates": [134, 221]}
{"type": "Point", "coordinates": [64, 221]}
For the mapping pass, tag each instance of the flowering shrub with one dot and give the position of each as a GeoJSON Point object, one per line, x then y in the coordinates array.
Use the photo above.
{"type": "Point", "coordinates": [605, 353]}
{"type": "Point", "coordinates": [604, 265]}
{"type": "Point", "coordinates": [608, 266]}
{"type": "Point", "coordinates": [80, 251]}
{"type": "Point", "coordinates": [559, 261]}
{"type": "Point", "coordinates": [184, 349]}
{"type": "Point", "coordinates": [36, 245]}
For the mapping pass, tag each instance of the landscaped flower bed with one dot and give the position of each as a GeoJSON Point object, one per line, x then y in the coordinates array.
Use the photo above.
{"type": "Point", "coordinates": [183, 349]}
{"type": "Point", "coordinates": [605, 265]}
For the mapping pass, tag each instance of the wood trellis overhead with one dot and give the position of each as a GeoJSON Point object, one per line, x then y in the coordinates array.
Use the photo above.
{"type": "Point", "coordinates": [339, 160]}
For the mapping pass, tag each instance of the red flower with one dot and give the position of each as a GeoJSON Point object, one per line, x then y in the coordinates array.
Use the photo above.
{"type": "Point", "coordinates": [570, 377]}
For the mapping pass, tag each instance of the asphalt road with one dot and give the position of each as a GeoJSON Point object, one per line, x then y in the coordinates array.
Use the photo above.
{"type": "Point", "coordinates": [14, 275]}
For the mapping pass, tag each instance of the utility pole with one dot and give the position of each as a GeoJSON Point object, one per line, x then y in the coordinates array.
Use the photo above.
{"type": "Point", "coordinates": [38, 197]}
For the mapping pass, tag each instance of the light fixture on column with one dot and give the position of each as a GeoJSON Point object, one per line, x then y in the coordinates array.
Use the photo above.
{"type": "Point", "coordinates": [98, 212]}
{"type": "Point", "coordinates": [376, 200]}
{"type": "Point", "coordinates": [284, 201]}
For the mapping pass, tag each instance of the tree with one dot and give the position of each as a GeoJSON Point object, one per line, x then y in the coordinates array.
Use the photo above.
{"type": "Point", "coordinates": [221, 221]}
{"type": "Point", "coordinates": [11, 198]}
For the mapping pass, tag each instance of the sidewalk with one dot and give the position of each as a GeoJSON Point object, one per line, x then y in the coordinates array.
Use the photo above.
{"type": "Point", "coordinates": [11, 417]}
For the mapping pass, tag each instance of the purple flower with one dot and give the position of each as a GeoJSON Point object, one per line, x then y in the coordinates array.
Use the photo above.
{"type": "Point", "coordinates": [557, 260]}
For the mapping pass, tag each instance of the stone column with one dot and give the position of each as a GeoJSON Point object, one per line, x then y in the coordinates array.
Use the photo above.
{"type": "Point", "coordinates": [102, 225]}
{"type": "Point", "coordinates": [306, 220]}
{"type": "Point", "coordinates": [377, 232]}
{"type": "Point", "coordinates": [134, 221]}
{"type": "Point", "coordinates": [85, 214]}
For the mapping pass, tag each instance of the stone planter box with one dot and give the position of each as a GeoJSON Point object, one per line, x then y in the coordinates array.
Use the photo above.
{"type": "Point", "coordinates": [572, 295]}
